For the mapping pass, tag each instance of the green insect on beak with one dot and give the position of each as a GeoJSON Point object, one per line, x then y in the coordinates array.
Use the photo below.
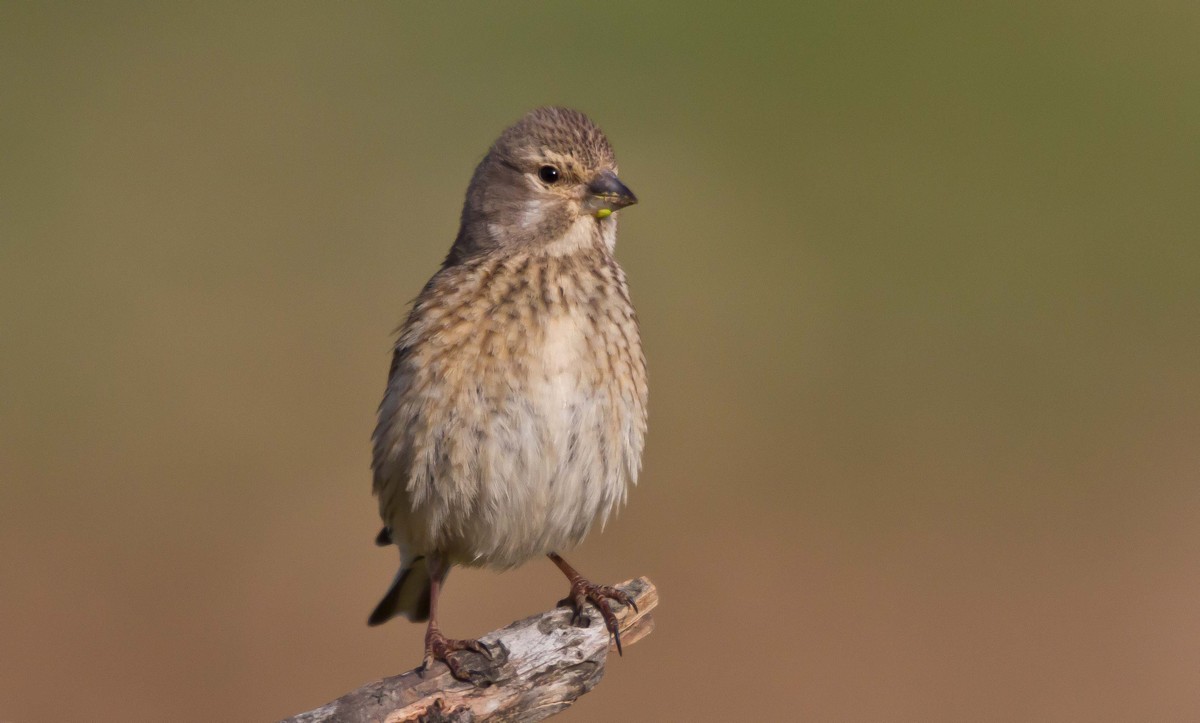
{"type": "Point", "coordinates": [606, 194]}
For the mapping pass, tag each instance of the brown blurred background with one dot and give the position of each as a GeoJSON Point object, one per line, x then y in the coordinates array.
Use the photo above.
{"type": "Point", "coordinates": [920, 290]}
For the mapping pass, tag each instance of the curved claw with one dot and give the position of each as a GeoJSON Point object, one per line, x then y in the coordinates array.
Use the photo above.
{"type": "Point", "coordinates": [483, 649]}
{"type": "Point", "coordinates": [439, 647]}
{"type": "Point", "coordinates": [599, 595]}
{"type": "Point", "coordinates": [622, 597]}
{"type": "Point", "coordinates": [610, 622]}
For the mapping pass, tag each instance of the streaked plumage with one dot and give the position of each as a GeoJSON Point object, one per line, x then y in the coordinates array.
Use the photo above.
{"type": "Point", "coordinates": [515, 409]}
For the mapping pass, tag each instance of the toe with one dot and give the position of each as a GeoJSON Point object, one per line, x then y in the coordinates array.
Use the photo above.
{"type": "Point", "coordinates": [480, 647]}
{"type": "Point", "coordinates": [617, 639]}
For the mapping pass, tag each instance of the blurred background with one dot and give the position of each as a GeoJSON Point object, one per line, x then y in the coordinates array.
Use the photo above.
{"type": "Point", "coordinates": [919, 286]}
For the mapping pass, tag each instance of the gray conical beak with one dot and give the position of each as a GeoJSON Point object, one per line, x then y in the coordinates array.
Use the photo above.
{"type": "Point", "coordinates": [606, 194]}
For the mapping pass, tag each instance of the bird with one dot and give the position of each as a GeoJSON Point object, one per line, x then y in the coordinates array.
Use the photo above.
{"type": "Point", "coordinates": [514, 416]}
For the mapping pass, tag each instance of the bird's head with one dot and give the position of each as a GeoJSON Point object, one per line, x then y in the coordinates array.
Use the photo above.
{"type": "Point", "coordinates": [550, 179]}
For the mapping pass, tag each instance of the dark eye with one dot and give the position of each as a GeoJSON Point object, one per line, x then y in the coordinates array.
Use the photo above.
{"type": "Point", "coordinates": [549, 174]}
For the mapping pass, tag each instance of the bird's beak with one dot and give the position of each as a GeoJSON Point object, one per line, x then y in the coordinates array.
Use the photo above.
{"type": "Point", "coordinates": [606, 194]}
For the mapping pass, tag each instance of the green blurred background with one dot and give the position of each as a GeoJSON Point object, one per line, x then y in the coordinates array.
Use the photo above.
{"type": "Point", "coordinates": [919, 286]}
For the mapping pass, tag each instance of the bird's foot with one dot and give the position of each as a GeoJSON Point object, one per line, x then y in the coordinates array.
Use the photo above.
{"type": "Point", "coordinates": [583, 591]}
{"type": "Point", "coordinates": [439, 647]}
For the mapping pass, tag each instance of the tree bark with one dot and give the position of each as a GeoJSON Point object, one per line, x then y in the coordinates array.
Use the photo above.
{"type": "Point", "coordinates": [540, 666]}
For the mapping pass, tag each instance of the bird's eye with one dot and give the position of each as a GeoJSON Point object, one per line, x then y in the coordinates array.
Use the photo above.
{"type": "Point", "coordinates": [548, 174]}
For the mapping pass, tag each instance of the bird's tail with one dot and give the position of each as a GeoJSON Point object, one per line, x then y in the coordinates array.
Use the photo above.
{"type": "Point", "coordinates": [408, 595]}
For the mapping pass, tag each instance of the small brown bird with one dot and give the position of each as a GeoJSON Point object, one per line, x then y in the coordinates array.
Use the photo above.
{"type": "Point", "coordinates": [515, 407]}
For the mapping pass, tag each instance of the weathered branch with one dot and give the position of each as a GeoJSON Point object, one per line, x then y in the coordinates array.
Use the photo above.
{"type": "Point", "coordinates": [540, 666]}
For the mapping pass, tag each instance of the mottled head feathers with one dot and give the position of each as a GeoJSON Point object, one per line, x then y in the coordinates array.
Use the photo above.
{"type": "Point", "coordinates": [548, 182]}
{"type": "Point", "coordinates": [552, 134]}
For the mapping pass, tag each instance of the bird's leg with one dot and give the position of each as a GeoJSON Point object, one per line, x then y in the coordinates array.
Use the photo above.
{"type": "Point", "coordinates": [438, 646]}
{"type": "Point", "coordinates": [599, 595]}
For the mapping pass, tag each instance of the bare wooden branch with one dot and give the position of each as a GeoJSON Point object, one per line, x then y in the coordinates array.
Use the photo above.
{"type": "Point", "coordinates": [540, 666]}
